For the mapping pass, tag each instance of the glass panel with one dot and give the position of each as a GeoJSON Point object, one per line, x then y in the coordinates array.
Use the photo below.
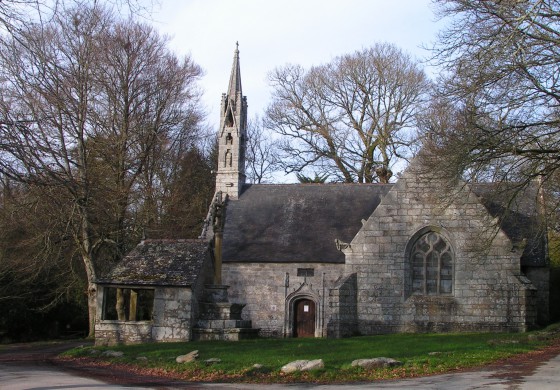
{"type": "Point", "coordinates": [432, 263]}
{"type": "Point", "coordinates": [431, 286]}
{"type": "Point", "coordinates": [445, 286]}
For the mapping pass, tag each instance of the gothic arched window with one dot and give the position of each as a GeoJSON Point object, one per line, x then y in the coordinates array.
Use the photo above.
{"type": "Point", "coordinates": [432, 265]}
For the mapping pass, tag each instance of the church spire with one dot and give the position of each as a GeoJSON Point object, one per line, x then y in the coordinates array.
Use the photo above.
{"type": "Point", "coordinates": [232, 135]}
{"type": "Point", "coordinates": [235, 78]}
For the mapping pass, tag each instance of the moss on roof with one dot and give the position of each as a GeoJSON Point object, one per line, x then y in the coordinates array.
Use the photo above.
{"type": "Point", "coordinates": [161, 263]}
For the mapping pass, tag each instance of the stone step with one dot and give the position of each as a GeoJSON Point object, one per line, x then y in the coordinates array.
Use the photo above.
{"type": "Point", "coordinates": [232, 334]}
{"type": "Point", "coordinates": [223, 324]}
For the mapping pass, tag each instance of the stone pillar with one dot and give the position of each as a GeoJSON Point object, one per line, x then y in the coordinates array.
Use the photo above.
{"type": "Point", "coordinates": [132, 306]}
{"type": "Point", "coordinates": [218, 226]}
{"type": "Point", "coordinates": [120, 305]}
{"type": "Point", "coordinates": [218, 235]}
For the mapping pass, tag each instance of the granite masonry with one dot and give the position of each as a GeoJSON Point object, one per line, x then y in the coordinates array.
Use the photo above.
{"type": "Point", "coordinates": [153, 293]}
{"type": "Point", "coordinates": [334, 260]}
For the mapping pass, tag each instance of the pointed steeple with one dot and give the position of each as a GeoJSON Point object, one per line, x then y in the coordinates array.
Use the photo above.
{"type": "Point", "coordinates": [235, 78]}
{"type": "Point", "coordinates": [232, 135]}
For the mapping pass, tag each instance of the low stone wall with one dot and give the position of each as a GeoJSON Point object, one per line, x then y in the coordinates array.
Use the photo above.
{"type": "Point", "coordinates": [122, 332]}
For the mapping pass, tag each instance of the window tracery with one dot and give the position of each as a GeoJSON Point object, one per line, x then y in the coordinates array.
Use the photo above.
{"type": "Point", "coordinates": [432, 265]}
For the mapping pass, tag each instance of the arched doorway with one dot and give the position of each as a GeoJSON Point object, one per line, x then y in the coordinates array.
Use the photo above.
{"type": "Point", "coordinates": [304, 318]}
{"type": "Point", "coordinates": [303, 315]}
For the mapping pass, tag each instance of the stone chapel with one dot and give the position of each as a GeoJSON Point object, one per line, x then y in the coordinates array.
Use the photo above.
{"type": "Point", "coordinates": [332, 260]}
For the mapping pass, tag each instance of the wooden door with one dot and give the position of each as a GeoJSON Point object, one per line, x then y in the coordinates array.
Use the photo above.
{"type": "Point", "coordinates": [304, 318]}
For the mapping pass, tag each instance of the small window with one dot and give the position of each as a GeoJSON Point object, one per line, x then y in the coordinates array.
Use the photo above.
{"type": "Point", "coordinates": [229, 119]}
{"type": "Point", "coordinates": [128, 304]}
{"type": "Point", "coordinates": [432, 265]}
{"type": "Point", "coordinates": [305, 272]}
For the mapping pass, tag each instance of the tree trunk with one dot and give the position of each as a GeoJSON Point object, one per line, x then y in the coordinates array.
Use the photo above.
{"type": "Point", "coordinates": [92, 308]}
{"type": "Point", "coordinates": [90, 273]}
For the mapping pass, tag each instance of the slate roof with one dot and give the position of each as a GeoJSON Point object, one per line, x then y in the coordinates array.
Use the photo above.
{"type": "Point", "coordinates": [160, 263]}
{"type": "Point", "coordinates": [517, 211]}
{"type": "Point", "coordinates": [283, 223]}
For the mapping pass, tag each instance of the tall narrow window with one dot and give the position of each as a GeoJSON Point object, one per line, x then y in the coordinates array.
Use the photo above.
{"type": "Point", "coordinates": [432, 265]}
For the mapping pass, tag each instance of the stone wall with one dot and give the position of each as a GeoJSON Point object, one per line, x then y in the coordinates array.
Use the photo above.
{"type": "Point", "coordinates": [268, 289]}
{"type": "Point", "coordinates": [173, 314]}
{"type": "Point", "coordinates": [486, 294]}
{"type": "Point", "coordinates": [343, 306]}
{"type": "Point", "coordinates": [172, 320]}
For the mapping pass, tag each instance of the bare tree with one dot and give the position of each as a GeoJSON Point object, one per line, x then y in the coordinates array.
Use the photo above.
{"type": "Point", "coordinates": [502, 85]}
{"type": "Point", "coordinates": [86, 103]}
{"type": "Point", "coordinates": [349, 117]}
{"type": "Point", "coordinates": [147, 105]}
{"type": "Point", "coordinates": [15, 14]}
{"type": "Point", "coordinates": [262, 159]}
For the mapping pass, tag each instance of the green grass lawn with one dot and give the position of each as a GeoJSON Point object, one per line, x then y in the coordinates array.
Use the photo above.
{"type": "Point", "coordinates": [421, 354]}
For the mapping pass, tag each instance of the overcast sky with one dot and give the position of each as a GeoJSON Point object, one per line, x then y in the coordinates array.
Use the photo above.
{"type": "Point", "coordinates": [274, 33]}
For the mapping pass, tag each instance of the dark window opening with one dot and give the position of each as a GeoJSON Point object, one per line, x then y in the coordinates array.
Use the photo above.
{"type": "Point", "coordinates": [229, 119]}
{"type": "Point", "coordinates": [305, 272]}
{"type": "Point", "coordinates": [128, 304]}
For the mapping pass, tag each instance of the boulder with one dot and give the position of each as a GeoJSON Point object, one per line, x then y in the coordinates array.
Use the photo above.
{"type": "Point", "coordinates": [302, 365]}
{"type": "Point", "coordinates": [313, 365]}
{"type": "Point", "coordinates": [189, 357]}
{"type": "Point", "coordinates": [380, 362]}
{"type": "Point", "coordinates": [293, 366]}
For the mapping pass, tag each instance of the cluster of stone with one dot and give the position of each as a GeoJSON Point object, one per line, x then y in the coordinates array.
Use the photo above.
{"type": "Point", "coordinates": [219, 319]}
{"type": "Point", "coordinates": [380, 362]}
{"type": "Point", "coordinates": [302, 365]}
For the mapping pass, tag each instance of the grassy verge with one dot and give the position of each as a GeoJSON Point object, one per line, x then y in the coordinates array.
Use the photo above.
{"type": "Point", "coordinates": [421, 354]}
